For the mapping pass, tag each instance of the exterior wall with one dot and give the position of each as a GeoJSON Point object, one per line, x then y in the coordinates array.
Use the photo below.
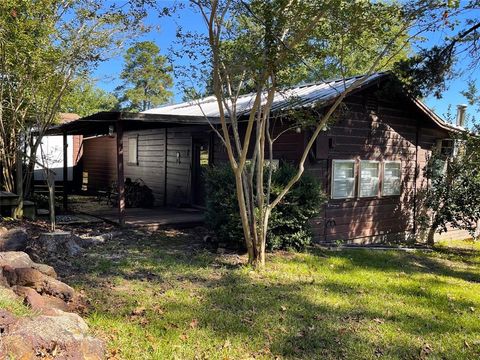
{"type": "Point", "coordinates": [380, 131]}
{"type": "Point", "coordinates": [51, 153]}
{"type": "Point", "coordinates": [173, 172]}
{"type": "Point", "coordinates": [369, 129]}
{"type": "Point", "coordinates": [77, 148]}
{"type": "Point", "coordinates": [99, 163]}
{"type": "Point", "coordinates": [151, 160]}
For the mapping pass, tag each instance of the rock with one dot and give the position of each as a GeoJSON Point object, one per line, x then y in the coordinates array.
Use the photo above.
{"type": "Point", "coordinates": [7, 293]}
{"type": "Point", "coordinates": [73, 248]}
{"type": "Point", "coordinates": [6, 320]}
{"type": "Point", "coordinates": [42, 303]}
{"type": "Point", "coordinates": [38, 281]}
{"type": "Point", "coordinates": [60, 242]}
{"type": "Point", "coordinates": [3, 230]}
{"type": "Point", "coordinates": [60, 336]}
{"type": "Point", "coordinates": [13, 240]}
{"type": "Point", "coordinates": [86, 240]}
{"type": "Point", "coordinates": [19, 259]}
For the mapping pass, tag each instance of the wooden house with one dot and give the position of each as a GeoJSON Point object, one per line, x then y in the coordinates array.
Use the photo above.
{"type": "Point", "coordinates": [371, 160]}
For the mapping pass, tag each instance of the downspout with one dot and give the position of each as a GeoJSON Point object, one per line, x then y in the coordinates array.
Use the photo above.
{"type": "Point", "coordinates": [415, 181]}
{"type": "Point", "coordinates": [165, 167]}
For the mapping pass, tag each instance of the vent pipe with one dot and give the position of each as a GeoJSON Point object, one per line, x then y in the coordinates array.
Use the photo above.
{"type": "Point", "coordinates": [461, 114]}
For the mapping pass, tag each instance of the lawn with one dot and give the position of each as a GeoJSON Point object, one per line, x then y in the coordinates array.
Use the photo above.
{"type": "Point", "coordinates": [162, 296]}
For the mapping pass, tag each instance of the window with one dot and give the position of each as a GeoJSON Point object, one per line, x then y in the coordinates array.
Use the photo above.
{"type": "Point", "coordinates": [392, 175]}
{"type": "Point", "coordinates": [343, 179]}
{"type": "Point", "coordinates": [133, 150]}
{"type": "Point", "coordinates": [369, 178]}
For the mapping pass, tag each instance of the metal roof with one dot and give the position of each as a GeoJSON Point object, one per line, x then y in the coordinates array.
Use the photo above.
{"type": "Point", "coordinates": [205, 110]}
{"type": "Point", "coordinates": [308, 95]}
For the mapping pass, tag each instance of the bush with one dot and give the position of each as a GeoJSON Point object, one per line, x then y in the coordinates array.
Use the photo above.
{"type": "Point", "coordinates": [289, 226]}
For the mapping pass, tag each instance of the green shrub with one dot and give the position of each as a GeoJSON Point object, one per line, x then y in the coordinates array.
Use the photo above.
{"type": "Point", "coordinates": [289, 226]}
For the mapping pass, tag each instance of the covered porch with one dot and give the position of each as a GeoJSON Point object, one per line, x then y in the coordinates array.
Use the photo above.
{"type": "Point", "coordinates": [150, 219]}
{"type": "Point", "coordinates": [175, 156]}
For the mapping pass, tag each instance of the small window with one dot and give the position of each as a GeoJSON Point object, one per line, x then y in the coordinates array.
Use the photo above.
{"type": "Point", "coordinates": [369, 179]}
{"type": "Point", "coordinates": [343, 179]}
{"type": "Point", "coordinates": [392, 176]}
{"type": "Point", "coordinates": [133, 150]}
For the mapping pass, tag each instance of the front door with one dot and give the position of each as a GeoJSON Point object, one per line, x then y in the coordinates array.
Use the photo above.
{"type": "Point", "coordinates": [200, 162]}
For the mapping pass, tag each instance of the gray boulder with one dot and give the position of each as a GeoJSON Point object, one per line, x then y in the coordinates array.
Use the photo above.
{"type": "Point", "coordinates": [13, 239]}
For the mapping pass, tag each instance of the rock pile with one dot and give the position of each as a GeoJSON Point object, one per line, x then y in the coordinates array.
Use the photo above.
{"type": "Point", "coordinates": [55, 331]}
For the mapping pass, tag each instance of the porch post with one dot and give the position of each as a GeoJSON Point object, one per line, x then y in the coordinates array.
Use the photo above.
{"type": "Point", "coordinates": [120, 178]}
{"type": "Point", "coordinates": [65, 172]}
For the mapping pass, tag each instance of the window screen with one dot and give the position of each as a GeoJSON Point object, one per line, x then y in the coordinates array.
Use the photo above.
{"type": "Point", "coordinates": [392, 174]}
{"type": "Point", "coordinates": [369, 179]}
{"type": "Point", "coordinates": [133, 150]}
{"type": "Point", "coordinates": [343, 179]}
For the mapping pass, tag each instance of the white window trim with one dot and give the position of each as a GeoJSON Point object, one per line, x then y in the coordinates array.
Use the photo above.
{"type": "Point", "coordinates": [332, 180]}
{"type": "Point", "coordinates": [360, 177]}
{"type": "Point", "coordinates": [383, 176]}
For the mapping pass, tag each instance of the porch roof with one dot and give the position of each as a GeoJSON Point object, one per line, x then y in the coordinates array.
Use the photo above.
{"type": "Point", "coordinates": [99, 123]}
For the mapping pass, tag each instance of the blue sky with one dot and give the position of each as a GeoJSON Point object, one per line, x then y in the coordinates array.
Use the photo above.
{"type": "Point", "coordinates": [164, 36]}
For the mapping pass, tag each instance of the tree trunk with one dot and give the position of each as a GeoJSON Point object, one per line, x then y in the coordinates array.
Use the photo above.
{"type": "Point", "coordinates": [244, 217]}
{"type": "Point", "coordinates": [431, 235]}
{"type": "Point", "coordinates": [51, 199]}
{"type": "Point", "coordinates": [18, 213]}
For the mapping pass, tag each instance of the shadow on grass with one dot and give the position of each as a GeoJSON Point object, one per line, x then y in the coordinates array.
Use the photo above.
{"type": "Point", "coordinates": [411, 263]}
{"type": "Point", "coordinates": [298, 308]}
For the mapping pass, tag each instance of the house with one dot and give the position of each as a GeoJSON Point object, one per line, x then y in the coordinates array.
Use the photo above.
{"type": "Point", "coordinates": [370, 161]}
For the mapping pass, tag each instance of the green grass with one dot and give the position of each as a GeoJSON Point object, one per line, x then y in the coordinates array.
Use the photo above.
{"type": "Point", "coordinates": [9, 302]}
{"type": "Point", "coordinates": [163, 297]}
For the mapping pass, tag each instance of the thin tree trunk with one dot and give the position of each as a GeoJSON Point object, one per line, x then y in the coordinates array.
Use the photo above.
{"type": "Point", "coordinates": [244, 217]}
{"type": "Point", "coordinates": [431, 235]}
{"type": "Point", "coordinates": [18, 213]}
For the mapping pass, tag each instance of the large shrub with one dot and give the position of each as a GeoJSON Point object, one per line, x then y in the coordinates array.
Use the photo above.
{"type": "Point", "coordinates": [289, 226]}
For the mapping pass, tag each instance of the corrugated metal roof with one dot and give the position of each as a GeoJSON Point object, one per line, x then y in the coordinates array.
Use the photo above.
{"type": "Point", "coordinates": [295, 97]}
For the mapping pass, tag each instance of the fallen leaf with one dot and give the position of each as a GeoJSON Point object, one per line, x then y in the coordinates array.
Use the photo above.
{"type": "Point", "coordinates": [193, 323]}
{"type": "Point", "coordinates": [425, 351]}
{"type": "Point", "coordinates": [139, 311]}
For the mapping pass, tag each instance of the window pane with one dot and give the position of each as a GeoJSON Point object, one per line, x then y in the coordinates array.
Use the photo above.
{"type": "Point", "coordinates": [343, 184]}
{"type": "Point", "coordinates": [132, 150]}
{"type": "Point", "coordinates": [368, 179]}
{"type": "Point", "coordinates": [392, 175]}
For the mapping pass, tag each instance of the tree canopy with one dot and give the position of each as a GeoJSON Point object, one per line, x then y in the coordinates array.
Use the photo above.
{"type": "Point", "coordinates": [85, 98]}
{"type": "Point", "coordinates": [261, 46]}
{"type": "Point", "coordinates": [44, 45]}
{"type": "Point", "coordinates": [146, 78]}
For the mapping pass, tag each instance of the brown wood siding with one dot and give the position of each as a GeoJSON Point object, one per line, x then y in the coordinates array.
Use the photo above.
{"type": "Point", "coordinates": [390, 133]}
{"type": "Point", "coordinates": [77, 149]}
{"type": "Point", "coordinates": [151, 157]}
{"type": "Point", "coordinates": [99, 162]}
{"type": "Point", "coordinates": [99, 159]}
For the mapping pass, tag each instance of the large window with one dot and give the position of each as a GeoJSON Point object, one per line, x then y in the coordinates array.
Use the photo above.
{"type": "Point", "coordinates": [392, 173]}
{"type": "Point", "coordinates": [133, 150]}
{"type": "Point", "coordinates": [369, 178]}
{"type": "Point", "coordinates": [343, 179]}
